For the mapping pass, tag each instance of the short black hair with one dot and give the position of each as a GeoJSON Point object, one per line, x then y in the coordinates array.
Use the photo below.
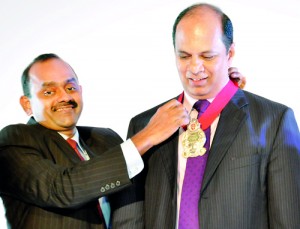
{"type": "Point", "coordinates": [25, 76]}
{"type": "Point", "coordinates": [227, 26]}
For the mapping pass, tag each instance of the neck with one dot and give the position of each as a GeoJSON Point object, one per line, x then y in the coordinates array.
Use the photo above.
{"type": "Point", "coordinates": [212, 94]}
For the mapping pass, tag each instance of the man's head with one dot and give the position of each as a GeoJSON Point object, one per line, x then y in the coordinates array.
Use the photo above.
{"type": "Point", "coordinates": [52, 94]}
{"type": "Point", "coordinates": [203, 43]}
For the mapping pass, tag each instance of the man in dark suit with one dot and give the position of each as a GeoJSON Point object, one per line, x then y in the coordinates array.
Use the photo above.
{"type": "Point", "coordinates": [46, 182]}
{"type": "Point", "coordinates": [251, 155]}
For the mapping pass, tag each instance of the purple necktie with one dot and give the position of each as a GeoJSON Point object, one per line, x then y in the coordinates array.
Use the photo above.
{"type": "Point", "coordinates": [195, 167]}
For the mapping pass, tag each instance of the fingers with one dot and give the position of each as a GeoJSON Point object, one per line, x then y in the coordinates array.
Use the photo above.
{"type": "Point", "coordinates": [172, 104]}
{"type": "Point", "coordinates": [232, 70]}
{"type": "Point", "coordinates": [242, 83]}
{"type": "Point", "coordinates": [175, 112]}
{"type": "Point", "coordinates": [167, 119]}
{"type": "Point", "coordinates": [165, 122]}
{"type": "Point", "coordinates": [236, 76]}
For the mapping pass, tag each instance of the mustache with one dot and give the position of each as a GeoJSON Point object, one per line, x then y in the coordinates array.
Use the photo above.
{"type": "Point", "coordinates": [71, 103]}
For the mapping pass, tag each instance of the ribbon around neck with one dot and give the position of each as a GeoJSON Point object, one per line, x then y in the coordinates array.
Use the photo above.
{"type": "Point", "coordinates": [217, 105]}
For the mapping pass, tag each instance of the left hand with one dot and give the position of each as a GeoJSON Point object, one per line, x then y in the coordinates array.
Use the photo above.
{"type": "Point", "coordinates": [236, 76]}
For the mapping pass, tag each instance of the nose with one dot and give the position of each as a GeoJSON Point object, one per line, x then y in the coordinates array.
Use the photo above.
{"type": "Point", "coordinates": [63, 95]}
{"type": "Point", "coordinates": [196, 65]}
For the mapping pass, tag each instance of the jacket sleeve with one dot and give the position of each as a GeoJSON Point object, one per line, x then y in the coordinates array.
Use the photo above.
{"type": "Point", "coordinates": [36, 170]}
{"type": "Point", "coordinates": [283, 181]}
{"type": "Point", "coordinates": [128, 204]}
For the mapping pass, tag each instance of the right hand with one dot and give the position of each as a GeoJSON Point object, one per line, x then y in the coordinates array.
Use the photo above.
{"type": "Point", "coordinates": [167, 119]}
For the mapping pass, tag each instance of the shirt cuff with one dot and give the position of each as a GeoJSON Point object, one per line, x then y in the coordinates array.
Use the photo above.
{"type": "Point", "coordinates": [133, 159]}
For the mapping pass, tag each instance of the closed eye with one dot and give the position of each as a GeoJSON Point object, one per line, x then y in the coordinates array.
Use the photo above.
{"type": "Point", "coordinates": [208, 57]}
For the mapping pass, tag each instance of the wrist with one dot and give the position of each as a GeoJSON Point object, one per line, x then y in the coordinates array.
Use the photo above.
{"type": "Point", "coordinates": [142, 141]}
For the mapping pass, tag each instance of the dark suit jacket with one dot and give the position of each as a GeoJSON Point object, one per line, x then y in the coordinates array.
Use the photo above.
{"type": "Point", "coordinates": [252, 178]}
{"type": "Point", "coordinates": [44, 184]}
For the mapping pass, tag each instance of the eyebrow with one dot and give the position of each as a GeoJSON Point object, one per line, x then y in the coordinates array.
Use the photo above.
{"type": "Point", "coordinates": [53, 83]}
{"type": "Point", "coordinates": [182, 52]}
{"type": "Point", "coordinates": [204, 52]}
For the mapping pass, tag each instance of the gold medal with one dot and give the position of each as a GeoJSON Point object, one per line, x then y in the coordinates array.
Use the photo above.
{"type": "Point", "coordinates": [193, 140]}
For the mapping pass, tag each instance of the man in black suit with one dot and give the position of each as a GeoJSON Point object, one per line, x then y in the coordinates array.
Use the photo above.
{"type": "Point", "coordinates": [44, 182]}
{"type": "Point", "coordinates": [248, 146]}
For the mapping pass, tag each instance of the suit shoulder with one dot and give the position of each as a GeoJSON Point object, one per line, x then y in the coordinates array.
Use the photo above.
{"type": "Point", "coordinates": [99, 133]}
{"type": "Point", "coordinates": [264, 104]}
{"type": "Point", "coordinates": [21, 132]}
{"type": "Point", "coordinates": [14, 127]}
{"type": "Point", "coordinates": [268, 111]}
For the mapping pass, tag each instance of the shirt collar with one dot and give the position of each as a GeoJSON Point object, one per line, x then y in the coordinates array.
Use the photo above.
{"type": "Point", "coordinates": [189, 101]}
{"type": "Point", "coordinates": [75, 136]}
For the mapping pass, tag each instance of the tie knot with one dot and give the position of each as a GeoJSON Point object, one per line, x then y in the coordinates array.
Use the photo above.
{"type": "Point", "coordinates": [201, 106]}
{"type": "Point", "coordinates": [72, 143]}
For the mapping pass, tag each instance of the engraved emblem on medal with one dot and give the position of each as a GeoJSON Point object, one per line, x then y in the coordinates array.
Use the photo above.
{"type": "Point", "coordinates": [193, 139]}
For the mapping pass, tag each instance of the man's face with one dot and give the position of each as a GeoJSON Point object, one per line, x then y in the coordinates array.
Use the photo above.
{"type": "Point", "coordinates": [201, 57]}
{"type": "Point", "coordinates": [56, 97]}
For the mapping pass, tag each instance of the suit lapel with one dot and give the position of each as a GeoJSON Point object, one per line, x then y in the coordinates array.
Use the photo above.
{"type": "Point", "coordinates": [169, 151]}
{"type": "Point", "coordinates": [231, 120]}
{"type": "Point", "coordinates": [170, 158]}
{"type": "Point", "coordinates": [59, 143]}
{"type": "Point", "coordinates": [56, 143]}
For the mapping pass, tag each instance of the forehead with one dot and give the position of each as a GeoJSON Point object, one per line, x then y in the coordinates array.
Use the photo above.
{"type": "Point", "coordinates": [52, 70]}
{"type": "Point", "coordinates": [200, 28]}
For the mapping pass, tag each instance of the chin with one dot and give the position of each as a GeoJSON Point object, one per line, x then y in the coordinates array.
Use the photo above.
{"type": "Point", "coordinates": [67, 125]}
{"type": "Point", "coordinates": [196, 93]}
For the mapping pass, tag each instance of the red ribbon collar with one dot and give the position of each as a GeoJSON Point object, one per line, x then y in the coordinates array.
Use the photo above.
{"type": "Point", "coordinates": [215, 108]}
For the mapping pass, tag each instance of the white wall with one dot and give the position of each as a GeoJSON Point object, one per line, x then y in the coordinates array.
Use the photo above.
{"type": "Point", "coordinates": [122, 52]}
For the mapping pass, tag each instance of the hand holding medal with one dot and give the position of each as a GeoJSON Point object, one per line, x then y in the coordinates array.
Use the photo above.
{"type": "Point", "coordinates": [165, 122]}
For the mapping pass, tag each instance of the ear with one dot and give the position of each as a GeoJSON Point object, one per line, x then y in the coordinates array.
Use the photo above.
{"type": "Point", "coordinates": [231, 53]}
{"type": "Point", "coordinates": [25, 103]}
